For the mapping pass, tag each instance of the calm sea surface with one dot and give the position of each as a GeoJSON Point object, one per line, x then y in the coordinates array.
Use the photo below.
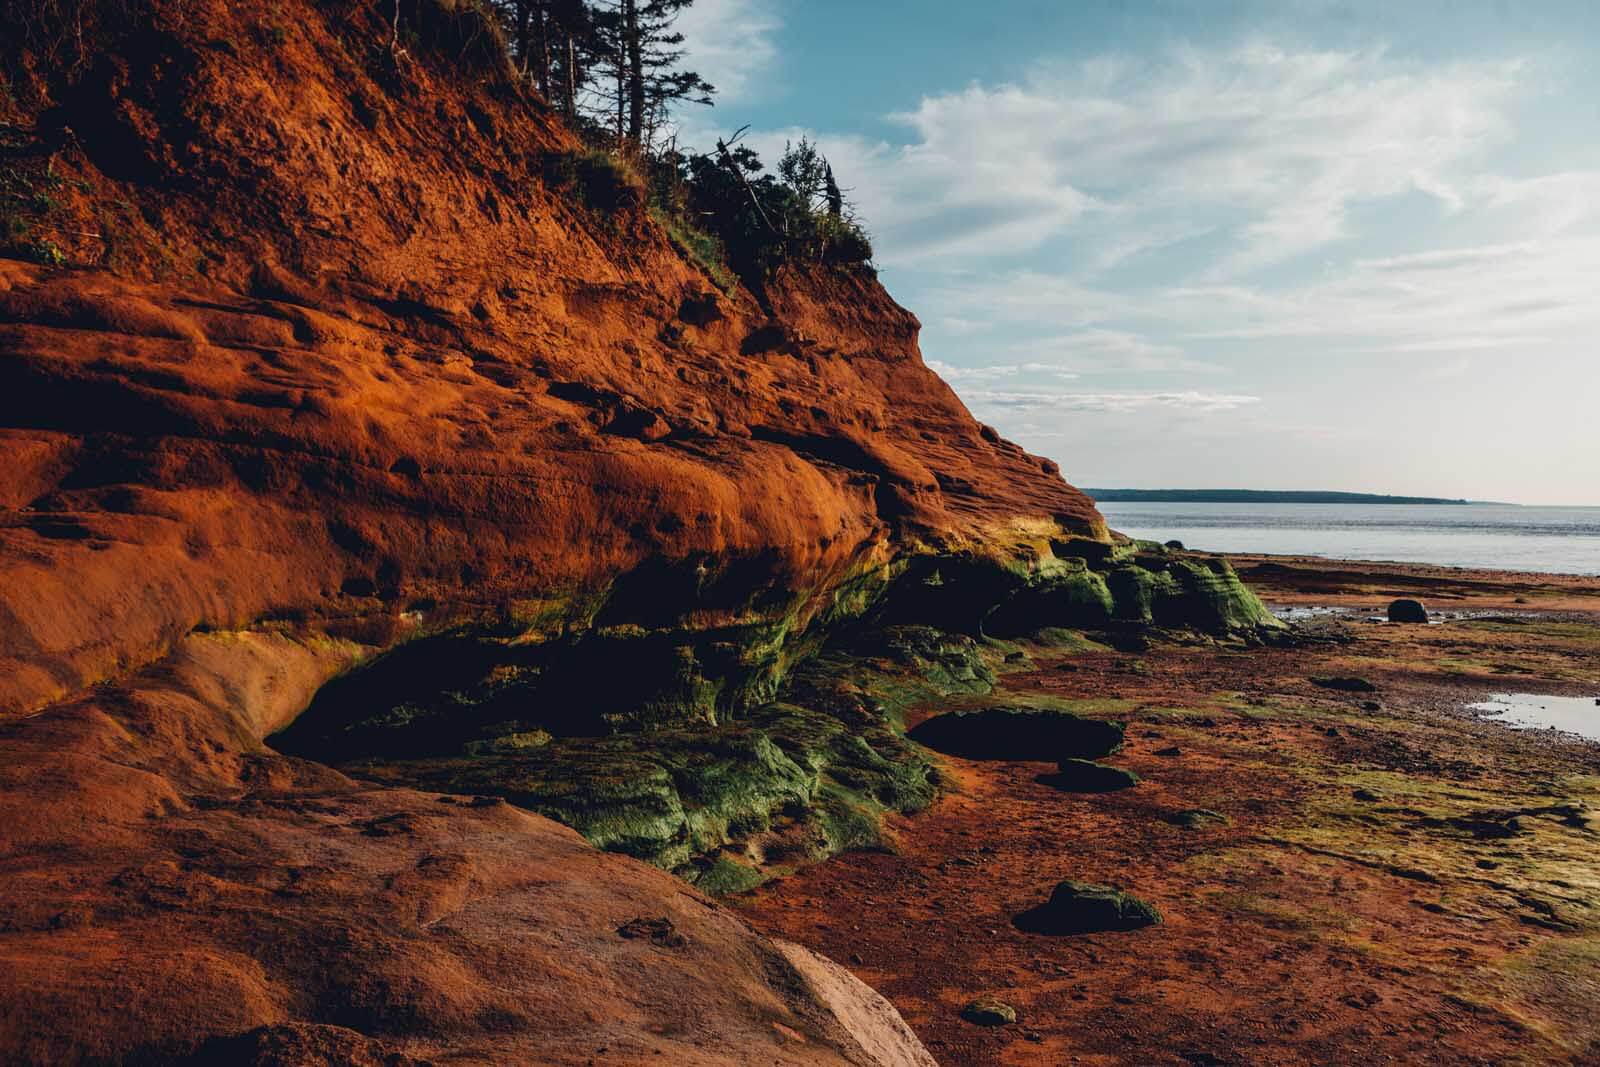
{"type": "Point", "coordinates": [1553, 540]}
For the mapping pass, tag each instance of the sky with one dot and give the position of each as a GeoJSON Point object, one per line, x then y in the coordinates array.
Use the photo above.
{"type": "Point", "coordinates": [1272, 244]}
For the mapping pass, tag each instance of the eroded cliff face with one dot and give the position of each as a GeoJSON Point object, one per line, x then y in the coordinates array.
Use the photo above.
{"type": "Point", "coordinates": [344, 360]}
{"type": "Point", "coordinates": [356, 360]}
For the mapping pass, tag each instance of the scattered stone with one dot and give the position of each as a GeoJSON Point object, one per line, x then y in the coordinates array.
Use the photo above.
{"type": "Point", "coordinates": [1170, 752]}
{"type": "Point", "coordinates": [656, 931]}
{"type": "Point", "coordinates": [1176, 546]}
{"type": "Point", "coordinates": [1489, 828]}
{"type": "Point", "coordinates": [1345, 685]}
{"type": "Point", "coordinates": [1017, 733]}
{"type": "Point", "coordinates": [1366, 796]}
{"type": "Point", "coordinates": [1487, 865]}
{"type": "Point", "coordinates": [1085, 908]}
{"type": "Point", "coordinates": [1407, 610]}
{"type": "Point", "coordinates": [1332, 731]}
{"type": "Point", "coordinates": [1196, 818]}
{"type": "Point", "coordinates": [1086, 776]}
{"type": "Point", "coordinates": [1371, 705]}
{"type": "Point", "coordinates": [988, 1011]}
{"type": "Point", "coordinates": [1016, 657]}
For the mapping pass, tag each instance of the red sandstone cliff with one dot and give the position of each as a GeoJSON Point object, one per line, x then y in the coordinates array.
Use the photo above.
{"type": "Point", "coordinates": [332, 365]}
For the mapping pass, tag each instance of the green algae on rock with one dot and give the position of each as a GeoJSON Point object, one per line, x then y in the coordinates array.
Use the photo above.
{"type": "Point", "coordinates": [723, 727]}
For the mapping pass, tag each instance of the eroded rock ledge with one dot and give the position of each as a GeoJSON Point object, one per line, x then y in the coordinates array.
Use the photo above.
{"type": "Point", "coordinates": [335, 379]}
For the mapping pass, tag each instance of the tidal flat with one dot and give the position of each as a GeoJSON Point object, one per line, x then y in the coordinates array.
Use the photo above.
{"type": "Point", "coordinates": [1341, 876]}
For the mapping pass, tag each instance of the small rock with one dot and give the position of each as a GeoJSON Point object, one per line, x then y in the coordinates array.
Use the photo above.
{"type": "Point", "coordinates": [1371, 705]}
{"type": "Point", "coordinates": [1332, 731]}
{"type": "Point", "coordinates": [656, 931]}
{"type": "Point", "coordinates": [1195, 818]}
{"type": "Point", "coordinates": [1176, 546]}
{"type": "Point", "coordinates": [1085, 908]}
{"type": "Point", "coordinates": [1486, 865]}
{"type": "Point", "coordinates": [1016, 657]}
{"type": "Point", "coordinates": [1086, 776]}
{"type": "Point", "coordinates": [1366, 796]}
{"type": "Point", "coordinates": [1170, 752]}
{"type": "Point", "coordinates": [1407, 610]}
{"type": "Point", "coordinates": [988, 1011]}
{"type": "Point", "coordinates": [1345, 685]}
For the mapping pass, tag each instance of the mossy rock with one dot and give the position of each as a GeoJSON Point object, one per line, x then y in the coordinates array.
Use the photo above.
{"type": "Point", "coordinates": [1198, 818]}
{"type": "Point", "coordinates": [1086, 776]}
{"type": "Point", "coordinates": [1086, 908]}
{"type": "Point", "coordinates": [1018, 733]}
{"type": "Point", "coordinates": [1069, 598]}
{"type": "Point", "coordinates": [989, 1011]}
{"type": "Point", "coordinates": [725, 877]}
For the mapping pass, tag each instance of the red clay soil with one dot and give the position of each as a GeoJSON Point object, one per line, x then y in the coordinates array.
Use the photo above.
{"type": "Point", "coordinates": [333, 365]}
{"type": "Point", "coordinates": [1363, 902]}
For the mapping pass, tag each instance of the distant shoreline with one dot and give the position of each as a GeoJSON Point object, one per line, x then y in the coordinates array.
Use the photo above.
{"type": "Point", "coordinates": [1261, 496]}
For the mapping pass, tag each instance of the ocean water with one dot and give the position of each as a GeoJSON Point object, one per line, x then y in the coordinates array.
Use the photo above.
{"type": "Point", "coordinates": [1491, 536]}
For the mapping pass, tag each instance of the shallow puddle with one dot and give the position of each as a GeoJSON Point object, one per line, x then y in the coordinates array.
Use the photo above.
{"type": "Point", "coordinates": [1534, 711]}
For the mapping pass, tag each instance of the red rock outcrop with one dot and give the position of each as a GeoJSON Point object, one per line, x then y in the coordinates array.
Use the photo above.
{"type": "Point", "coordinates": [339, 362]}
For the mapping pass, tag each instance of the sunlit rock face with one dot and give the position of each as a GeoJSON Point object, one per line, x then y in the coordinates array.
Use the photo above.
{"type": "Point", "coordinates": [334, 379]}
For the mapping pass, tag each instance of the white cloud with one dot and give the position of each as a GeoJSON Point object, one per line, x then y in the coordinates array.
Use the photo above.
{"type": "Point", "coordinates": [999, 372]}
{"type": "Point", "coordinates": [1271, 147]}
{"type": "Point", "coordinates": [731, 43]}
{"type": "Point", "coordinates": [1043, 401]}
{"type": "Point", "coordinates": [1347, 232]}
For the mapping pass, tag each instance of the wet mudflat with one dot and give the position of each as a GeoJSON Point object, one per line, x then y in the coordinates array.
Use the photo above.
{"type": "Point", "coordinates": [1341, 876]}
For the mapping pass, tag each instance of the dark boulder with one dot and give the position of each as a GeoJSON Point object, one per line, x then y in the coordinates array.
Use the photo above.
{"type": "Point", "coordinates": [1084, 908]}
{"type": "Point", "coordinates": [1407, 610]}
{"type": "Point", "coordinates": [1085, 776]}
{"type": "Point", "coordinates": [1345, 685]}
{"type": "Point", "coordinates": [1014, 733]}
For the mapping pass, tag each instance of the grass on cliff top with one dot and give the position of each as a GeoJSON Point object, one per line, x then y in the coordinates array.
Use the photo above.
{"type": "Point", "coordinates": [702, 249]}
